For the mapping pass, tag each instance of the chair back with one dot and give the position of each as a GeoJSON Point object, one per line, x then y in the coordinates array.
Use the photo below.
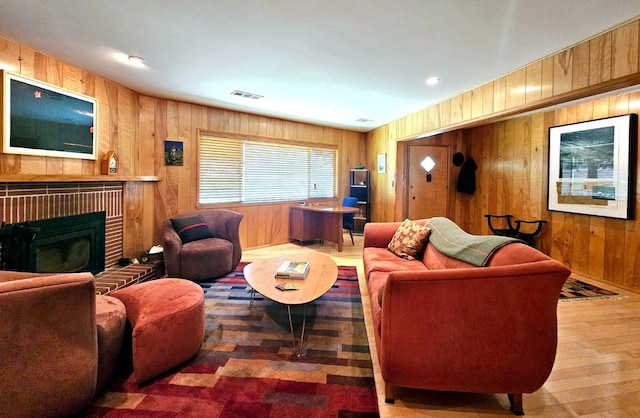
{"type": "Point", "coordinates": [347, 218]}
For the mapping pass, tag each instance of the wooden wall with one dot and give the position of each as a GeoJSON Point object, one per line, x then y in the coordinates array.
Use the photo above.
{"type": "Point", "coordinates": [136, 127]}
{"type": "Point", "coordinates": [511, 154]}
{"type": "Point", "coordinates": [512, 178]}
{"type": "Point", "coordinates": [511, 151]}
{"type": "Point", "coordinates": [117, 130]}
{"type": "Point", "coordinates": [263, 224]}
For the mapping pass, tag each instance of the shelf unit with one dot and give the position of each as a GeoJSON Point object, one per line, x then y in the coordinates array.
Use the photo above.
{"type": "Point", "coordinates": [359, 187]}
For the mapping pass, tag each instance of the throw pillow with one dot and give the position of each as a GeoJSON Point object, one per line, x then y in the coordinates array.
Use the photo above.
{"type": "Point", "coordinates": [191, 229]}
{"type": "Point", "coordinates": [409, 239]}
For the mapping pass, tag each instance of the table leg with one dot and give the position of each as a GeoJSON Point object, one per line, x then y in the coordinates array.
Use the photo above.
{"type": "Point", "coordinates": [298, 352]}
{"type": "Point", "coordinates": [340, 233]}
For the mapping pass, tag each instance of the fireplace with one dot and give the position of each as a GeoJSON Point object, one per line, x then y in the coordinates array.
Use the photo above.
{"type": "Point", "coordinates": [56, 245]}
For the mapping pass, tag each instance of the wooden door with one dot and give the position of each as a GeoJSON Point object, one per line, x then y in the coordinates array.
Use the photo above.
{"type": "Point", "coordinates": [428, 193]}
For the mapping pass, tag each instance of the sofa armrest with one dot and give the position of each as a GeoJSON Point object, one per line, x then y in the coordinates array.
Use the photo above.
{"type": "Point", "coordinates": [437, 325]}
{"type": "Point", "coordinates": [48, 342]}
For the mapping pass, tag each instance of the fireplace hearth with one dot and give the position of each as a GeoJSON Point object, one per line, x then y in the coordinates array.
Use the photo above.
{"type": "Point", "coordinates": [57, 245]}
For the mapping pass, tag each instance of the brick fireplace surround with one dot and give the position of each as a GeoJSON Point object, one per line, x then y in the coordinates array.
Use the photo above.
{"type": "Point", "coordinates": [21, 202]}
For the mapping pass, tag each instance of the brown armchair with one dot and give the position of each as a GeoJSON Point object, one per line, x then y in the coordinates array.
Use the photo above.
{"type": "Point", "coordinates": [203, 244]}
{"type": "Point", "coordinates": [48, 344]}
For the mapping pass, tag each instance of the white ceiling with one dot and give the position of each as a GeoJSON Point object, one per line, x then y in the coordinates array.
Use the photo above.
{"type": "Point", "coordinates": [328, 62]}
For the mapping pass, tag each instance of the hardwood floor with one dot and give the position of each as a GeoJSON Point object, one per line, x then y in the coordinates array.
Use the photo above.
{"type": "Point", "coordinates": [597, 368]}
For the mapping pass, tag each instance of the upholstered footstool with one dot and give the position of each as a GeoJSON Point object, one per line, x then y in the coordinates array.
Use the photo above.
{"type": "Point", "coordinates": [167, 321]}
{"type": "Point", "coordinates": [110, 323]}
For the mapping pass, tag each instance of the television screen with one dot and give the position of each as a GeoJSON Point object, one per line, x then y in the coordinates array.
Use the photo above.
{"type": "Point", "coordinates": [40, 119]}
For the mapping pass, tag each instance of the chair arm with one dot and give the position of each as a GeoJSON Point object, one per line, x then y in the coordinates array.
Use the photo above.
{"type": "Point", "coordinates": [171, 247]}
{"type": "Point", "coordinates": [228, 227]}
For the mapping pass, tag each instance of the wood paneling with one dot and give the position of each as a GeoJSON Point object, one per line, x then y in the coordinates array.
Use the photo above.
{"type": "Point", "coordinates": [177, 192]}
{"type": "Point", "coordinates": [512, 153]}
{"type": "Point", "coordinates": [136, 126]}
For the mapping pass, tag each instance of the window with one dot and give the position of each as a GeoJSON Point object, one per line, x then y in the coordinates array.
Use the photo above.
{"type": "Point", "coordinates": [251, 171]}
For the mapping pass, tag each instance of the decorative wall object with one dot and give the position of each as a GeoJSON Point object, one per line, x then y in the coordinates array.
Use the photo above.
{"type": "Point", "coordinates": [173, 153]}
{"type": "Point", "coordinates": [591, 167]}
{"type": "Point", "coordinates": [46, 120]}
{"type": "Point", "coordinates": [382, 163]}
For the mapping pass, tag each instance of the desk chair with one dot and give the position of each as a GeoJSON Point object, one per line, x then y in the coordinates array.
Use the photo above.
{"type": "Point", "coordinates": [347, 218]}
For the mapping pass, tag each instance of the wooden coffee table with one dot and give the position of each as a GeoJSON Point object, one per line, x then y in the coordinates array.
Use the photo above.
{"type": "Point", "coordinates": [322, 275]}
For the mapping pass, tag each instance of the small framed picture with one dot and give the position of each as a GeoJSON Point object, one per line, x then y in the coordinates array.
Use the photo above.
{"type": "Point", "coordinates": [382, 163]}
{"type": "Point", "coordinates": [173, 153]}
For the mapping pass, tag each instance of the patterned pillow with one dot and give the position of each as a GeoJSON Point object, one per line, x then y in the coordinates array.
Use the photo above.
{"type": "Point", "coordinates": [409, 240]}
{"type": "Point", "coordinates": [191, 229]}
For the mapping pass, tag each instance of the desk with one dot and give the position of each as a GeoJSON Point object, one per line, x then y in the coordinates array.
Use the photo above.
{"type": "Point", "coordinates": [316, 222]}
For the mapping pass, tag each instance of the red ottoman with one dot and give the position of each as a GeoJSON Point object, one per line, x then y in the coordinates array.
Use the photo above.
{"type": "Point", "coordinates": [167, 321]}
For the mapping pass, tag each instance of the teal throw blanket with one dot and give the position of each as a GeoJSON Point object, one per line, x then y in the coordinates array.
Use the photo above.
{"type": "Point", "coordinates": [449, 239]}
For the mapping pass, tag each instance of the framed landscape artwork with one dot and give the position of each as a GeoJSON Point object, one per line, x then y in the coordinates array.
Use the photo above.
{"type": "Point", "coordinates": [592, 167]}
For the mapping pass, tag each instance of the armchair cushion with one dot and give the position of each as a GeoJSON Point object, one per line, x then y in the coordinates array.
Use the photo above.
{"type": "Point", "coordinates": [193, 228]}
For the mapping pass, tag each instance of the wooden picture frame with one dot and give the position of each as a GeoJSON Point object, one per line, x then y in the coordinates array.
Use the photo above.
{"type": "Point", "coordinates": [173, 153]}
{"type": "Point", "coordinates": [592, 167]}
{"type": "Point", "coordinates": [382, 163]}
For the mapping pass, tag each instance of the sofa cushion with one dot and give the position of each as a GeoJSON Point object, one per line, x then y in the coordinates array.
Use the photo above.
{"type": "Point", "coordinates": [381, 259]}
{"type": "Point", "coordinates": [409, 240]}
{"type": "Point", "coordinates": [190, 229]}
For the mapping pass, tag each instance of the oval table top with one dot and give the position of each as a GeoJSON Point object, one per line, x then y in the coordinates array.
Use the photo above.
{"type": "Point", "coordinates": [322, 274]}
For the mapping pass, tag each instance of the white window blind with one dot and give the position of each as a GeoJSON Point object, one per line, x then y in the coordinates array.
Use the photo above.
{"type": "Point", "coordinates": [249, 171]}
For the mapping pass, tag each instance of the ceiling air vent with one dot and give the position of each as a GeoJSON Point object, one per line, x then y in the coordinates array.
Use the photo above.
{"type": "Point", "coordinates": [246, 95]}
{"type": "Point", "coordinates": [364, 120]}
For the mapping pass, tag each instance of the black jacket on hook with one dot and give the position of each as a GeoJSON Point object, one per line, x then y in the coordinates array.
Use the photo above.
{"type": "Point", "coordinates": [467, 177]}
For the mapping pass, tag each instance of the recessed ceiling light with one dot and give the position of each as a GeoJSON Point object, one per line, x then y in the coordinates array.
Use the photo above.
{"type": "Point", "coordinates": [136, 60]}
{"type": "Point", "coordinates": [363, 120]}
{"type": "Point", "coordinates": [432, 81]}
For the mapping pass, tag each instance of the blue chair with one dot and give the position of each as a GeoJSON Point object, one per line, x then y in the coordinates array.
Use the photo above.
{"type": "Point", "coordinates": [347, 218]}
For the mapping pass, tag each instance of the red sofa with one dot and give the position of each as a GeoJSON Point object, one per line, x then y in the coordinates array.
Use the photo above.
{"type": "Point", "coordinates": [445, 324]}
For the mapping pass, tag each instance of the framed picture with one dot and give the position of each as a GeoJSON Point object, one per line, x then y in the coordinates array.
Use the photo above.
{"type": "Point", "coordinates": [592, 167]}
{"type": "Point", "coordinates": [173, 153]}
{"type": "Point", "coordinates": [46, 120]}
{"type": "Point", "coordinates": [382, 163]}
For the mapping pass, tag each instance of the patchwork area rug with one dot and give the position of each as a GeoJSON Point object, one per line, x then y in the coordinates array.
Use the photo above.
{"type": "Point", "coordinates": [247, 368]}
{"type": "Point", "coordinates": [574, 289]}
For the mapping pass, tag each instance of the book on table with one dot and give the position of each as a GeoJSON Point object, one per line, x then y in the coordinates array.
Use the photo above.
{"type": "Point", "coordinates": [293, 269]}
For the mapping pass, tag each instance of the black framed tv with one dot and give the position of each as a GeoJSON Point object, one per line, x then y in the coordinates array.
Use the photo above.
{"type": "Point", "coordinates": [41, 119]}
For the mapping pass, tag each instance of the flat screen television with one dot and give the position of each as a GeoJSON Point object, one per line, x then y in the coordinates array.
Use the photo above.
{"type": "Point", "coordinates": [41, 119]}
